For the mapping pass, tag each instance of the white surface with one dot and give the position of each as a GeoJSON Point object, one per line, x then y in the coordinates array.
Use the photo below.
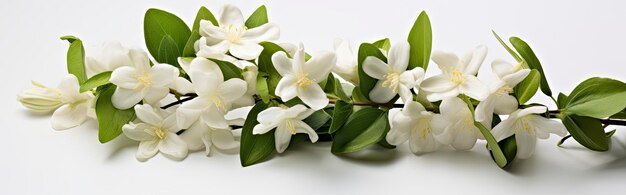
{"type": "Point", "coordinates": [574, 41]}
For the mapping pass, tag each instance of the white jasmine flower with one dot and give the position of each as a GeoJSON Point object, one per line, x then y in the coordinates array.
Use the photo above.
{"type": "Point", "coordinates": [300, 78]}
{"type": "Point", "coordinates": [249, 75]}
{"type": "Point", "coordinates": [112, 55]}
{"type": "Point", "coordinates": [215, 96]}
{"type": "Point", "coordinates": [414, 123]}
{"type": "Point", "coordinates": [200, 136]}
{"type": "Point", "coordinates": [458, 76]}
{"type": "Point", "coordinates": [232, 35]}
{"type": "Point", "coordinates": [393, 78]}
{"type": "Point", "coordinates": [457, 123]}
{"type": "Point", "coordinates": [70, 107]}
{"type": "Point", "coordinates": [499, 100]}
{"type": "Point", "coordinates": [287, 121]}
{"type": "Point", "coordinates": [347, 65]}
{"type": "Point", "coordinates": [527, 126]}
{"type": "Point", "coordinates": [141, 82]}
{"type": "Point", "coordinates": [156, 132]}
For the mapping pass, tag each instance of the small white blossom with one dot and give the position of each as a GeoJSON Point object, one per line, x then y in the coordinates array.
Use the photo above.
{"type": "Point", "coordinates": [287, 122]}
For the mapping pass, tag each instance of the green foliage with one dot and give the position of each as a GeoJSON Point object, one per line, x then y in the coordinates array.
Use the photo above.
{"type": "Point", "coordinates": [341, 113]}
{"type": "Point", "coordinates": [493, 145]}
{"type": "Point", "coordinates": [421, 40]}
{"type": "Point", "coordinates": [159, 24]}
{"type": "Point", "coordinates": [229, 70]}
{"type": "Point", "coordinates": [189, 50]}
{"type": "Point", "coordinates": [168, 51]}
{"type": "Point", "coordinates": [317, 119]}
{"type": "Point", "coordinates": [531, 59]}
{"type": "Point", "coordinates": [587, 131]}
{"type": "Point", "coordinates": [258, 17]}
{"type": "Point", "coordinates": [528, 87]}
{"type": "Point", "coordinates": [384, 44]}
{"type": "Point", "coordinates": [110, 119]}
{"type": "Point", "coordinates": [511, 51]}
{"type": "Point", "coordinates": [509, 148]}
{"type": "Point", "coordinates": [96, 81]}
{"type": "Point", "coordinates": [255, 148]}
{"type": "Point", "coordinates": [366, 83]}
{"type": "Point", "coordinates": [76, 58]}
{"type": "Point", "coordinates": [597, 97]}
{"type": "Point", "coordinates": [261, 87]}
{"type": "Point", "coordinates": [203, 14]}
{"type": "Point", "coordinates": [265, 65]}
{"type": "Point", "coordinates": [333, 86]}
{"type": "Point", "coordinates": [363, 129]}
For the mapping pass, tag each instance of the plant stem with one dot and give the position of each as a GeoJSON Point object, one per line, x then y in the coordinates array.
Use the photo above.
{"type": "Point", "coordinates": [190, 97]}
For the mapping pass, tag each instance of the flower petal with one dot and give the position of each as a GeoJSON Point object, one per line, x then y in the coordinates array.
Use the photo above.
{"type": "Point", "coordinates": [287, 88]}
{"type": "Point", "coordinates": [155, 94]}
{"type": "Point", "coordinates": [454, 109]}
{"type": "Point", "coordinates": [173, 147]}
{"type": "Point", "coordinates": [446, 61]}
{"type": "Point", "coordinates": [375, 67]}
{"type": "Point", "coordinates": [478, 56]}
{"type": "Point", "coordinates": [189, 112]}
{"type": "Point", "coordinates": [513, 79]}
{"type": "Point", "coordinates": [532, 110]}
{"type": "Point", "coordinates": [464, 138]}
{"type": "Point", "coordinates": [137, 132]}
{"type": "Point", "coordinates": [214, 118]}
{"type": "Point", "coordinates": [504, 129]}
{"type": "Point", "coordinates": [282, 137]}
{"type": "Point", "coordinates": [400, 130]}
{"type": "Point", "coordinates": [484, 110]}
{"type": "Point", "coordinates": [224, 139]}
{"type": "Point", "coordinates": [422, 143]}
{"type": "Point", "coordinates": [231, 15]}
{"type": "Point", "coordinates": [147, 149]}
{"type": "Point", "coordinates": [380, 94]}
{"type": "Point", "coordinates": [319, 66]}
{"type": "Point", "coordinates": [232, 89]}
{"type": "Point", "coordinates": [262, 129]}
{"type": "Point", "coordinates": [125, 98]}
{"type": "Point", "coordinates": [438, 84]}
{"type": "Point", "coordinates": [204, 84]}
{"type": "Point", "coordinates": [525, 144]}
{"type": "Point", "coordinates": [302, 127]}
{"type": "Point", "coordinates": [124, 77]}
{"type": "Point", "coordinates": [68, 116]}
{"type": "Point", "coordinates": [163, 74]}
{"type": "Point", "coordinates": [313, 96]}
{"type": "Point", "coordinates": [193, 136]}
{"type": "Point", "coordinates": [542, 124]}
{"type": "Point", "coordinates": [140, 60]}
{"type": "Point", "coordinates": [147, 114]}
{"type": "Point", "coordinates": [505, 104]}
{"type": "Point", "coordinates": [502, 68]}
{"type": "Point", "coordinates": [265, 32]}
{"type": "Point", "coordinates": [399, 56]}
{"type": "Point", "coordinates": [246, 51]}
{"type": "Point", "coordinates": [474, 88]}
{"type": "Point", "coordinates": [282, 63]}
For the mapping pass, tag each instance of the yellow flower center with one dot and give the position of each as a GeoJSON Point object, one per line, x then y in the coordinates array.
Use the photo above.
{"type": "Point", "coordinates": [456, 76]}
{"type": "Point", "coordinates": [159, 133]}
{"type": "Point", "coordinates": [234, 33]}
{"type": "Point", "coordinates": [504, 90]}
{"type": "Point", "coordinates": [291, 126]}
{"type": "Point", "coordinates": [524, 124]}
{"type": "Point", "coordinates": [145, 80]}
{"type": "Point", "coordinates": [215, 99]}
{"type": "Point", "coordinates": [392, 81]}
{"type": "Point", "coordinates": [303, 80]}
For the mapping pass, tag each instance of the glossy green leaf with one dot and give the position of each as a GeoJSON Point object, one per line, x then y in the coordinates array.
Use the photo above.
{"type": "Point", "coordinates": [203, 14]}
{"type": "Point", "coordinates": [421, 40]}
{"type": "Point", "coordinates": [494, 147]}
{"type": "Point", "coordinates": [265, 64]}
{"type": "Point", "coordinates": [158, 24]}
{"type": "Point", "coordinates": [168, 52]}
{"type": "Point", "coordinates": [384, 44]}
{"type": "Point", "coordinates": [317, 119]}
{"type": "Point", "coordinates": [587, 131]}
{"type": "Point", "coordinates": [190, 50]}
{"type": "Point", "coordinates": [110, 119]}
{"type": "Point", "coordinates": [597, 97]}
{"type": "Point", "coordinates": [258, 17]}
{"type": "Point", "coordinates": [506, 46]}
{"type": "Point", "coordinates": [76, 58]}
{"type": "Point", "coordinates": [509, 148]}
{"type": "Point", "coordinates": [619, 115]}
{"type": "Point", "coordinates": [528, 87]}
{"type": "Point", "coordinates": [531, 59]}
{"type": "Point", "coordinates": [341, 113]}
{"type": "Point", "coordinates": [229, 70]}
{"type": "Point", "coordinates": [561, 101]}
{"type": "Point", "coordinates": [261, 87]}
{"type": "Point", "coordinates": [366, 83]}
{"type": "Point", "coordinates": [96, 81]}
{"type": "Point", "coordinates": [255, 148]}
{"type": "Point", "coordinates": [364, 128]}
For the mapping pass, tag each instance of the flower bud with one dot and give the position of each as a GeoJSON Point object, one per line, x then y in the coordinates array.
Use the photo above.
{"type": "Point", "coordinates": [249, 75]}
{"type": "Point", "coordinates": [41, 99]}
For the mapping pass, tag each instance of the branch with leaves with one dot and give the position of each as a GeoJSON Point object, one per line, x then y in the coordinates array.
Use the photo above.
{"type": "Point", "coordinates": [195, 85]}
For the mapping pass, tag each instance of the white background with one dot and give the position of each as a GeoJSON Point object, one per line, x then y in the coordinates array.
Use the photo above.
{"type": "Point", "coordinates": [574, 40]}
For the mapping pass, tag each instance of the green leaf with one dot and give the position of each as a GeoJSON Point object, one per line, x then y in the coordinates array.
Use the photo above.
{"type": "Point", "coordinates": [384, 44]}
{"type": "Point", "coordinates": [229, 70]}
{"type": "Point", "coordinates": [531, 59]}
{"type": "Point", "coordinates": [203, 14]}
{"type": "Point", "coordinates": [561, 101]}
{"type": "Point", "coordinates": [421, 41]}
{"type": "Point", "coordinates": [76, 58]}
{"type": "Point", "coordinates": [110, 119]}
{"type": "Point", "coordinates": [366, 83]}
{"type": "Point", "coordinates": [528, 87]}
{"type": "Point", "coordinates": [158, 24]}
{"type": "Point", "coordinates": [258, 17]}
{"type": "Point", "coordinates": [619, 115]}
{"type": "Point", "coordinates": [261, 87]}
{"type": "Point", "coordinates": [96, 81]}
{"type": "Point", "coordinates": [358, 96]}
{"type": "Point", "coordinates": [587, 131]}
{"type": "Point", "coordinates": [255, 148]}
{"type": "Point", "coordinates": [364, 128]}
{"type": "Point", "coordinates": [509, 148]}
{"type": "Point", "coordinates": [317, 119]}
{"type": "Point", "coordinates": [494, 147]}
{"type": "Point", "coordinates": [189, 50]}
{"type": "Point", "coordinates": [168, 52]}
{"type": "Point", "coordinates": [597, 97]}
{"type": "Point", "coordinates": [341, 113]}
{"type": "Point", "coordinates": [506, 46]}
{"type": "Point", "coordinates": [265, 64]}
